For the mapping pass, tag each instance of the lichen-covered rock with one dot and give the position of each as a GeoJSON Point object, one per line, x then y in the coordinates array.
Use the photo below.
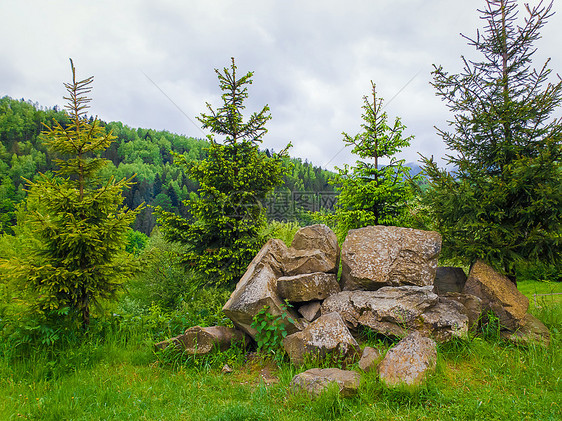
{"type": "Point", "coordinates": [307, 287]}
{"type": "Point", "coordinates": [449, 279]}
{"type": "Point", "coordinates": [394, 311]}
{"type": "Point", "coordinates": [326, 335]}
{"type": "Point", "coordinates": [498, 295]}
{"type": "Point", "coordinates": [390, 311]}
{"type": "Point", "coordinates": [369, 359]}
{"type": "Point", "coordinates": [298, 262]}
{"type": "Point", "coordinates": [378, 256]}
{"type": "Point", "coordinates": [532, 331]}
{"type": "Point", "coordinates": [472, 306]}
{"type": "Point", "coordinates": [204, 340]}
{"type": "Point", "coordinates": [316, 380]}
{"type": "Point", "coordinates": [258, 288]}
{"type": "Point", "coordinates": [318, 237]}
{"type": "Point", "coordinates": [409, 361]}
{"type": "Point", "coordinates": [445, 320]}
{"type": "Point", "coordinates": [310, 311]}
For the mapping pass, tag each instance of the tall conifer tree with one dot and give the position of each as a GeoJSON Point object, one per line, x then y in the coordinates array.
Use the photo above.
{"type": "Point", "coordinates": [371, 193]}
{"type": "Point", "coordinates": [78, 226]}
{"type": "Point", "coordinates": [503, 203]}
{"type": "Point", "coordinates": [223, 235]}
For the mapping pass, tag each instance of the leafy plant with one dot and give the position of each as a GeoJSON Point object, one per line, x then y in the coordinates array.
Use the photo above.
{"type": "Point", "coordinates": [271, 329]}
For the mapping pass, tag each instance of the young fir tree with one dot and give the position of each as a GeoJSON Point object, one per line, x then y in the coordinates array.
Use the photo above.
{"type": "Point", "coordinates": [503, 203]}
{"type": "Point", "coordinates": [77, 251]}
{"type": "Point", "coordinates": [370, 193]}
{"type": "Point", "coordinates": [223, 235]}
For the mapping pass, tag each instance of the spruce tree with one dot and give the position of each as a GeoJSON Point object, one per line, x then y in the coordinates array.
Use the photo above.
{"type": "Point", "coordinates": [503, 202]}
{"type": "Point", "coordinates": [228, 216]}
{"type": "Point", "coordinates": [76, 253]}
{"type": "Point", "coordinates": [371, 193]}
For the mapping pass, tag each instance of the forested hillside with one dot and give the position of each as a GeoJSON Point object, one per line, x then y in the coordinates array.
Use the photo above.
{"type": "Point", "coordinates": [144, 152]}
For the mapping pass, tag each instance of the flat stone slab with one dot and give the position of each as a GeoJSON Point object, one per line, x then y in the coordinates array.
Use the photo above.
{"type": "Point", "coordinates": [307, 287]}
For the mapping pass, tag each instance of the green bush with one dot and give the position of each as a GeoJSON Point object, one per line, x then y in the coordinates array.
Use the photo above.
{"type": "Point", "coordinates": [282, 230]}
{"type": "Point", "coordinates": [539, 271]}
{"type": "Point", "coordinates": [162, 279]}
{"type": "Point", "coordinates": [136, 242]}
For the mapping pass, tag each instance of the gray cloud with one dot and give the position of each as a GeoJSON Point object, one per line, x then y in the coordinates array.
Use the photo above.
{"type": "Point", "coordinates": [312, 60]}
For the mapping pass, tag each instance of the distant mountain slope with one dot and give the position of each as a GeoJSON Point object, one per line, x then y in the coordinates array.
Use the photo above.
{"type": "Point", "coordinates": [144, 152]}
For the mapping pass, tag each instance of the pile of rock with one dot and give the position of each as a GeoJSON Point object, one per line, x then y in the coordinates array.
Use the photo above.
{"type": "Point", "coordinates": [389, 283]}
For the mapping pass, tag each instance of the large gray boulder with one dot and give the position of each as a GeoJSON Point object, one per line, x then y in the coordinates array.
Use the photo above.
{"type": "Point", "coordinates": [449, 279]}
{"type": "Point", "coordinates": [390, 311]}
{"type": "Point", "coordinates": [326, 335]}
{"type": "Point", "coordinates": [258, 288]}
{"type": "Point", "coordinates": [409, 361]}
{"type": "Point", "coordinates": [314, 249]}
{"type": "Point", "coordinates": [205, 340]}
{"type": "Point", "coordinates": [498, 295]}
{"type": "Point", "coordinates": [378, 256]}
{"type": "Point", "coordinates": [316, 380]}
{"type": "Point", "coordinates": [308, 287]}
{"type": "Point", "coordinates": [393, 311]}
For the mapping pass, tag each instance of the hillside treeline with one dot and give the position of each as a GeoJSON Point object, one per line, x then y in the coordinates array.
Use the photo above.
{"type": "Point", "coordinates": [144, 152]}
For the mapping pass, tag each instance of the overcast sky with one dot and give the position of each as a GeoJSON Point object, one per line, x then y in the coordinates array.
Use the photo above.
{"type": "Point", "coordinates": [313, 61]}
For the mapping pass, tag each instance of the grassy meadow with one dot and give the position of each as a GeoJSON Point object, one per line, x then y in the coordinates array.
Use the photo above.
{"type": "Point", "coordinates": [117, 375]}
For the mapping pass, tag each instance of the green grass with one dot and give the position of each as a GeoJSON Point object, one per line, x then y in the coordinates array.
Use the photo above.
{"type": "Point", "coordinates": [547, 293]}
{"type": "Point", "coordinates": [121, 378]}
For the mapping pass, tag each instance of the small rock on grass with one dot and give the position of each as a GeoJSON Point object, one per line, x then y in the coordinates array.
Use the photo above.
{"type": "Point", "coordinates": [409, 361]}
{"type": "Point", "coordinates": [316, 380]}
{"type": "Point", "coordinates": [369, 359]}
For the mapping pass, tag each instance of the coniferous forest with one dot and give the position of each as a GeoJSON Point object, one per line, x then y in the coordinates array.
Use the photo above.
{"type": "Point", "coordinates": [145, 153]}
